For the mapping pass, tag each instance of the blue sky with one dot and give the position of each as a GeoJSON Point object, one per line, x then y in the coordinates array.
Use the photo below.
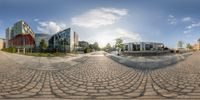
{"type": "Point", "coordinates": [165, 21]}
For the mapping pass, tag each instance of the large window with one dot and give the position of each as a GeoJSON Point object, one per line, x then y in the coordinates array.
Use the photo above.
{"type": "Point", "coordinates": [126, 47]}
{"type": "Point", "coordinates": [148, 46]}
{"type": "Point", "coordinates": [136, 47]}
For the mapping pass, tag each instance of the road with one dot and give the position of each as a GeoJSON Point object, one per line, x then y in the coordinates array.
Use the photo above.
{"type": "Point", "coordinates": [95, 76]}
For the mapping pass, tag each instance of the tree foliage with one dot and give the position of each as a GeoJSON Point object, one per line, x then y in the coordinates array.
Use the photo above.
{"type": "Point", "coordinates": [92, 47]}
{"type": "Point", "coordinates": [43, 44]}
{"type": "Point", "coordinates": [95, 46]}
{"type": "Point", "coordinates": [188, 46]}
{"type": "Point", "coordinates": [108, 46]}
{"type": "Point", "coordinates": [119, 43]}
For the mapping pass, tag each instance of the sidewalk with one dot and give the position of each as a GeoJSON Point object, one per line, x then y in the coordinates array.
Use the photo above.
{"type": "Point", "coordinates": [45, 63]}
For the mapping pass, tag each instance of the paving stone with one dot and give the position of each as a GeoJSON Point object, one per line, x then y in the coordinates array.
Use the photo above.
{"type": "Point", "coordinates": [95, 77]}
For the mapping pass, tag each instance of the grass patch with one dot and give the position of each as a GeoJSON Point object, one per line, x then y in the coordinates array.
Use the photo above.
{"type": "Point", "coordinates": [50, 54]}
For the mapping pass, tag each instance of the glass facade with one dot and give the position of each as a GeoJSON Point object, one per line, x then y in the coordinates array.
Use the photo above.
{"type": "Point", "coordinates": [39, 37]}
{"type": "Point", "coordinates": [64, 41]}
{"type": "Point", "coordinates": [20, 27]}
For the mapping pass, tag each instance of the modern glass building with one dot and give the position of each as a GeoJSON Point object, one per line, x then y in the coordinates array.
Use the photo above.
{"type": "Point", "coordinates": [143, 46]}
{"type": "Point", "coordinates": [19, 27]}
{"type": "Point", "coordinates": [64, 41]}
{"type": "Point", "coordinates": [23, 42]}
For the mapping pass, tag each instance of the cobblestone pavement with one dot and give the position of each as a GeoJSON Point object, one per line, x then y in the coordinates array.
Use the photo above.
{"type": "Point", "coordinates": [95, 77]}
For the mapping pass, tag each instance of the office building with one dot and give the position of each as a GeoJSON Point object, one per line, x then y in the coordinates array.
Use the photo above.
{"type": "Point", "coordinates": [19, 27]}
{"type": "Point", "coordinates": [143, 46]}
{"type": "Point", "coordinates": [64, 41]}
{"type": "Point", "coordinates": [20, 36]}
{"type": "Point", "coordinates": [9, 35]}
{"type": "Point", "coordinates": [83, 44]}
{"type": "Point", "coordinates": [23, 42]}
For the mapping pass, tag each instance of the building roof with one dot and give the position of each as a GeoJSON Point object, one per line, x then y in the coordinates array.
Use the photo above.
{"type": "Point", "coordinates": [144, 42]}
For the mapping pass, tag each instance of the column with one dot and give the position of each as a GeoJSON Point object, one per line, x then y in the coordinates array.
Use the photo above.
{"type": "Point", "coordinates": [141, 46]}
{"type": "Point", "coordinates": [144, 46]}
{"type": "Point", "coordinates": [24, 50]}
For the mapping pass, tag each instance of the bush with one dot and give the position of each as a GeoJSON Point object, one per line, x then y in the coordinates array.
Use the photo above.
{"type": "Point", "coordinates": [11, 50]}
{"type": "Point", "coordinates": [87, 50]}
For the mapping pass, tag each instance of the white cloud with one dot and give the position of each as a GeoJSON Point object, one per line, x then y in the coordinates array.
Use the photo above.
{"type": "Point", "coordinates": [187, 31]}
{"type": "Point", "coordinates": [171, 16]}
{"type": "Point", "coordinates": [193, 25]}
{"type": "Point", "coordinates": [50, 27]}
{"type": "Point", "coordinates": [121, 12]}
{"type": "Point", "coordinates": [36, 20]}
{"type": "Point", "coordinates": [186, 19]}
{"type": "Point", "coordinates": [99, 17]}
{"type": "Point", "coordinates": [172, 20]}
{"type": "Point", "coordinates": [128, 36]}
{"type": "Point", "coordinates": [109, 36]}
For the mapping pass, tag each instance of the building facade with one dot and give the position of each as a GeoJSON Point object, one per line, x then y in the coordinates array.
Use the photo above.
{"type": "Point", "coordinates": [197, 45]}
{"type": "Point", "coordinates": [64, 41]}
{"type": "Point", "coordinates": [39, 37]}
{"type": "Point", "coordinates": [24, 42]}
{"type": "Point", "coordinates": [19, 27]}
{"type": "Point", "coordinates": [143, 46]}
{"type": "Point", "coordinates": [2, 43]}
{"type": "Point", "coordinates": [9, 35]}
{"type": "Point", "coordinates": [83, 44]}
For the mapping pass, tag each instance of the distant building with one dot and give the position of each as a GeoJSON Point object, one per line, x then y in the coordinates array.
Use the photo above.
{"type": "Point", "coordinates": [64, 41]}
{"type": "Point", "coordinates": [83, 44]}
{"type": "Point", "coordinates": [143, 46]}
{"type": "Point", "coordinates": [9, 36]}
{"type": "Point", "coordinates": [197, 45]}
{"type": "Point", "coordinates": [20, 27]}
{"type": "Point", "coordinates": [180, 45]}
{"type": "Point", "coordinates": [39, 37]}
{"type": "Point", "coordinates": [2, 43]}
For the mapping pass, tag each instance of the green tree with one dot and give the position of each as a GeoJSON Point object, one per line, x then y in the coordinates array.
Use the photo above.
{"type": "Point", "coordinates": [91, 46]}
{"type": "Point", "coordinates": [108, 47]}
{"type": "Point", "coordinates": [119, 44]}
{"type": "Point", "coordinates": [87, 50]}
{"type": "Point", "coordinates": [43, 44]}
{"type": "Point", "coordinates": [188, 46]}
{"type": "Point", "coordinates": [96, 46]}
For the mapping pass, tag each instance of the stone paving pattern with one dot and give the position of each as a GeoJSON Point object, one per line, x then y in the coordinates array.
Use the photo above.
{"type": "Point", "coordinates": [95, 77]}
